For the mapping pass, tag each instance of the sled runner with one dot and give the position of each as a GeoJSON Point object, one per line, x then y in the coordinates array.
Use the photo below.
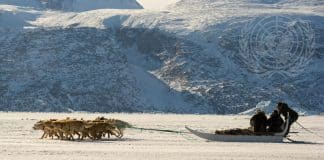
{"type": "Point", "coordinates": [276, 137]}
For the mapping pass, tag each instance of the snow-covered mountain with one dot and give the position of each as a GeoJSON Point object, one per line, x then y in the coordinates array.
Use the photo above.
{"type": "Point", "coordinates": [192, 57]}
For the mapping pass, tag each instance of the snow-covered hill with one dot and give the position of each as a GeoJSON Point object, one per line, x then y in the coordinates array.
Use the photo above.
{"type": "Point", "coordinates": [191, 58]}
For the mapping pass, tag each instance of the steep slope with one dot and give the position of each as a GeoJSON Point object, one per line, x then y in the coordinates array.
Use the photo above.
{"type": "Point", "coordinates": [71, 70]}
{"type": "Point", "coordinates": [210, 66]}
{"type": "Point", "coordinates": [189, 59]}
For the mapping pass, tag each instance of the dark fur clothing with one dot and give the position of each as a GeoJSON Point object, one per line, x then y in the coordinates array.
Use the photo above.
{"type": "Point", "coordinates": [259, 122]}
{"type": "Point", "coordinates": [275, 122]}
{"type": "Point", "coordinates": [236, 131]}
{"type": "Point", "coordinates": [284, 110]}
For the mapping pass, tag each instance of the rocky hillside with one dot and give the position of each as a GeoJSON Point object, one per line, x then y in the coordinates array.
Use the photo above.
{"type": "Point", "coordinates": [206, 56]}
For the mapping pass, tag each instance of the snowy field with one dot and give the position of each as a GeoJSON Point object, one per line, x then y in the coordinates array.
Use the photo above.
{"type": "Point", "coordinates": [19, 142]}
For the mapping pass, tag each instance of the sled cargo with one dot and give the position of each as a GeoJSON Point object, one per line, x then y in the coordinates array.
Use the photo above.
{"type": "Point", "coordinates": [276, 137]}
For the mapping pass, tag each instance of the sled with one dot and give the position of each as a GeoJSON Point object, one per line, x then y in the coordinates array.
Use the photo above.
{"type": "Point", "coordinates": [275, 138]}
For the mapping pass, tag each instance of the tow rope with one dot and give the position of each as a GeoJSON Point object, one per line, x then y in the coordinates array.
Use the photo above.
{"type": "Point", "coordinates": [184, 134]}
{"type": "Point", "coordinates": [159, 130]}
{"type": "Point", "coordinates": [308, 130]}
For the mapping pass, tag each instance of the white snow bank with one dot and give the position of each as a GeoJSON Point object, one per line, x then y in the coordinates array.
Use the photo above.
{"type": "Point", "coordinates": [156, 4]}
{"type": "Point", "coordinates": [269, 106]}
{"type": "Point", "coordinates": [28, 13]}
{"type": "Point", "coordinates": [265, 106]}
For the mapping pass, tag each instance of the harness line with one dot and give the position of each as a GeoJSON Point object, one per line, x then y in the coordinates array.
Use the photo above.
{"type": "Point", "coordinates": [308, 130]}
{"type": "Point", "coordinates": [159, 130]}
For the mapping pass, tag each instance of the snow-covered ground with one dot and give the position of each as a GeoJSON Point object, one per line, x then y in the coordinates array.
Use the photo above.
{"type": "Point", "coordinates": [19, 142]}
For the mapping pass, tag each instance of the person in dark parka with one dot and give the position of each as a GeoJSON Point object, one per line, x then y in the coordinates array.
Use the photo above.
{"type": "Point", "coordinates": [284, 110]}
{"type": "Point", "coordinates": [275, 122]}
{"type": "Point", "coordinates": [259, 122]}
